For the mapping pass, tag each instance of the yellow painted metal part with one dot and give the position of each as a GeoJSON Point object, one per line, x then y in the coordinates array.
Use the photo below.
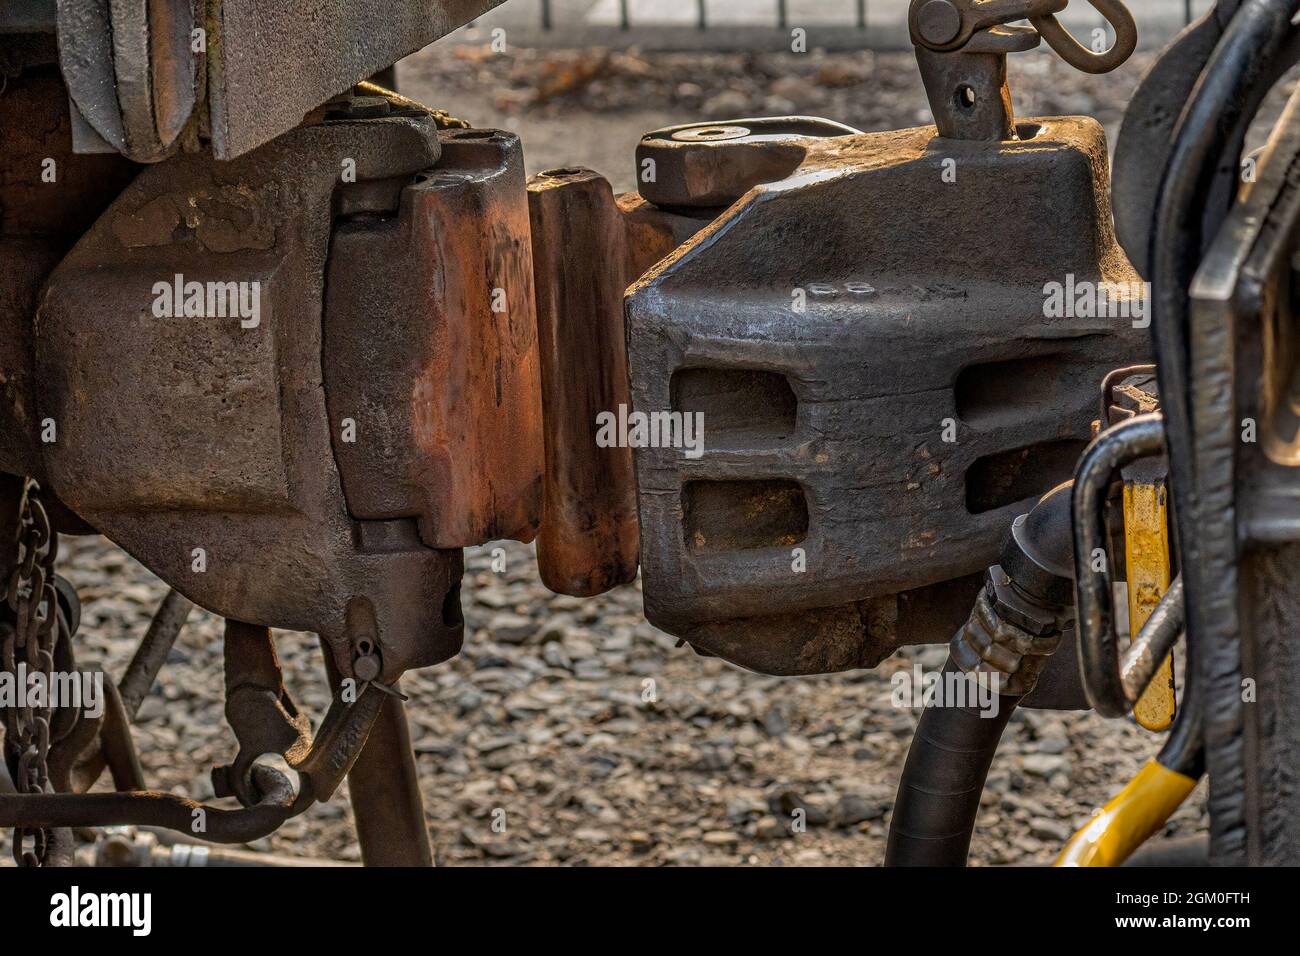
{"type": "Point", "coordinates": [1146, 550]}
{"type": "Point", "coordinates": [1133, 815]}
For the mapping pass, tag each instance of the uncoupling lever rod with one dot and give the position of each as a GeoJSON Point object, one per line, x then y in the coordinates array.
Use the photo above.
{"type": "Point", "coordinates": [962, 47]}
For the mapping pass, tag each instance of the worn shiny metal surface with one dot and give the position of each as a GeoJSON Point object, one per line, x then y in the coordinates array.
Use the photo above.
{"type": "Point", "coordinates": [258, 709]}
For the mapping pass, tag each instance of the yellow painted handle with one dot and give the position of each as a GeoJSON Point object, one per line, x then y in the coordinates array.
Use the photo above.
{"type": "Point", "coordinates": [1146, 548]}
{"type": "Point", "coordinates": [1124, 824]}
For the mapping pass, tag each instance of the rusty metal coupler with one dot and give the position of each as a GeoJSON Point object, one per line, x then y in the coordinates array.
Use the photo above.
{"type": "Point", "coordinates": [317, 462]}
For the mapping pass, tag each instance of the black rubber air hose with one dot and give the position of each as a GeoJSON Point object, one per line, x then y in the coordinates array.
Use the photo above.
{"type": "Point", "coordinates": [943, 779]}
{"type": "Point", "coordinates": [953, 748]}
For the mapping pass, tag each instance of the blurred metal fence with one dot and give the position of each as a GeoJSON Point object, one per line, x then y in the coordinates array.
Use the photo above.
{"type": "Point", "coordinates": [762, 24]}
{"type": "Point", "coordinates": [780, 12]}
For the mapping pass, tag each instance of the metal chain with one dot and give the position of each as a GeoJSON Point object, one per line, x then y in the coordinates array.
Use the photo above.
{"type": "Point", "coordinates": [27, 647]}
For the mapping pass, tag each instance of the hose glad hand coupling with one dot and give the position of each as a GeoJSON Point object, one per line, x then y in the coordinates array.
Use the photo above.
{"type": "Point", "coordinates": [1027, 602]}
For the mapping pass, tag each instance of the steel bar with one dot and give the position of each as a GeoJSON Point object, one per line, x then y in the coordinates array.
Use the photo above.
{"type": "Point", "coordinates": [385, 789]}
{"type": "Point", "coordinates": [152, 653]}
{"type": "Point", "coordinates": [155, 808]}
{"type": "Point", "coordinates": [1153, 643]}
{"type": "Point", "coordinates": [116, 750]}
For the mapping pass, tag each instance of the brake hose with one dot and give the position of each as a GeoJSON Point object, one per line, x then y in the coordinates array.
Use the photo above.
{"type": "Point", "coordinates": [943, 779]}
{"type": "Point", "coordinates": [1017, 623]}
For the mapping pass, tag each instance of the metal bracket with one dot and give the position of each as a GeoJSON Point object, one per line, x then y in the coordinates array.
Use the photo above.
{"type": "Point", "coordinates": [962, 47]}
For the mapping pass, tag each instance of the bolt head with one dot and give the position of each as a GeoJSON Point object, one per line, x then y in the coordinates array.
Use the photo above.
{"type": "Point", "coordinates": [366, 667]}
{"type": "Point", "coordinates": [938, 22]}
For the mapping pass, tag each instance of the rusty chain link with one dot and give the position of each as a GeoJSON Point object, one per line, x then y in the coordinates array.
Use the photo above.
{"type": "Point", "coordinates": [27, 646]}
